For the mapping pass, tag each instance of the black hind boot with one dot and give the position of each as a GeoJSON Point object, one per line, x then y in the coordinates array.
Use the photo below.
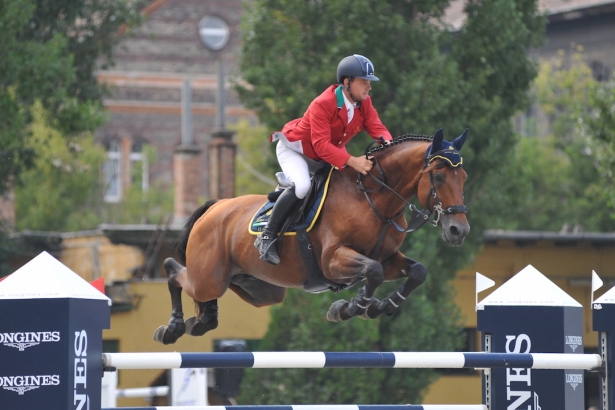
{"type": "Point", "coordinates": [265, 242]}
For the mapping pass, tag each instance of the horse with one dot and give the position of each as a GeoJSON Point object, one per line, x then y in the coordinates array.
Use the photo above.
{"type": "Point", "coordinates": [352, 240]}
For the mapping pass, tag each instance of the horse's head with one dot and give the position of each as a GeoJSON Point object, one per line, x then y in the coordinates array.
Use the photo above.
{"type": "Point", "coordinates": [441, 187]}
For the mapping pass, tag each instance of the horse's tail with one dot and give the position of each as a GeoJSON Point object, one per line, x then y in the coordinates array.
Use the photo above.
{"type": "Point", "coordinates": [182, 242]}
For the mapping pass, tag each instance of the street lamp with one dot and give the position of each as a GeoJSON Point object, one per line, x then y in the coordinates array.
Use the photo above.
{"type": "Point", "coordinates": [215, 34]}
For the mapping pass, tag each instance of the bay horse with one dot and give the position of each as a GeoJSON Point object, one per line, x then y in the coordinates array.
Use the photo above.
{"type": "Point", "coordinates": [351, 241]}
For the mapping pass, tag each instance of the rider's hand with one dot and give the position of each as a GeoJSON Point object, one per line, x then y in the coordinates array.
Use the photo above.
{"type": "Point", "coordinates": [360, 164]}
{"type": "Point", "coordinates": [385, 142]}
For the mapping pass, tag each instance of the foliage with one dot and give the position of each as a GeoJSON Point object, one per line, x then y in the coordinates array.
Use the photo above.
{"type": "Point", "coordinates": [49, 50]}
{"type": "Point", "coordinates": [562, 178]}
{"type": "Point", "coordinates": [255, 160]}
{"type": "Point", "coordinates": [601, 126]}
{"type": "Point", "coordinates": [62, 191]}
{"type": "Point", "coordinates": [429, 79]}
{"type": "Point", "coordinates": [8, 247]}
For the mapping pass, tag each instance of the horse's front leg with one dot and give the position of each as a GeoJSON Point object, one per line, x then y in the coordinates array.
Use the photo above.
{"type": "Point", "coordinates": [397, 267]}
{"type": "Point", "coordinates": [345, 264]}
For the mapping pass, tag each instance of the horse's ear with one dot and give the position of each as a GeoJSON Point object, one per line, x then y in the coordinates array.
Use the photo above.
{"type": "Point", "coordinates": [460, 140]}
{"type": "Point", "coordinates": [436, 143]}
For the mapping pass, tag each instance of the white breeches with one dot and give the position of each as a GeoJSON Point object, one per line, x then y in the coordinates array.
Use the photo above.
{"type": "Point", "coordinates": [296, 167]}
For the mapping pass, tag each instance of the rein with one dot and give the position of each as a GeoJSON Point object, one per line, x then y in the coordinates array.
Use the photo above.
{"type": "Point", "coordinates": [419, 217]}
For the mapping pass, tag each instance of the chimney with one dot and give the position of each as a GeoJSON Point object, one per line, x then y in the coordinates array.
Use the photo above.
{"type": "Point", "coordinates": [222, 165]}
{"type": "Point", "coordinates": [186, 163]}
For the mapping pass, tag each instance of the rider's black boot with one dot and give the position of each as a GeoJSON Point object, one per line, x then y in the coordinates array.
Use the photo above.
{"type": "Point", "coordinates": [265, 242]}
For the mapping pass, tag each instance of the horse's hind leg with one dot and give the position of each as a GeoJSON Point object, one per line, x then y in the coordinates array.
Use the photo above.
{"type": "Point", "coordinates": [349, 264]}
{"type": "Point", "coordinates": [207, 318]}
{"type": "Point", "coordinates": [415, 273]}
{"type": "Point", "coordinates": [176, 327]}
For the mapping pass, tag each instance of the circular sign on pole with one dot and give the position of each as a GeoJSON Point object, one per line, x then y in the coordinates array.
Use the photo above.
{"type": "Point", "coordinates": [214, 32]}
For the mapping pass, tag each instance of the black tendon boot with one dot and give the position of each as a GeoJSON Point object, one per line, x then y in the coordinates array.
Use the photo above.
{"type": "Point", "coordinates": [265, 242]}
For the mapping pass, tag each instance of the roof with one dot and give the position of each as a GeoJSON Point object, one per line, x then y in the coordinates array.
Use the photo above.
{"type": "Point", "coordinates": [133, 235]}
{"type": "Point", "coordinates": [529, 287]}
{"type": "Point", "coordinates": [139, 235]}
{"type": "Point", "coordinates": [525, 238]}
{"type": "Point", "coordinates": [44, 277]}
{"type": "Point", "coordinates": [555, 9]}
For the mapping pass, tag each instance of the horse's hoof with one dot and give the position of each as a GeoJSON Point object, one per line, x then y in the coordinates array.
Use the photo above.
{"type": "Point", "coordinates": [335, 311]}
{"type": "Point", "coordinates": [194, 327]}
{"type": "Point", "coordinates": [162, 335]}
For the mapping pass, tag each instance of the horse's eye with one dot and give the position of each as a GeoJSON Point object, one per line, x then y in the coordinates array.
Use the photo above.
{"type": "Point", "coordinates": [438, 178]}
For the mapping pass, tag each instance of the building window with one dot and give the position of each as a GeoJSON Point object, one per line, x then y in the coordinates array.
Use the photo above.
{"type": "Point", "coordinates": [138, 167]}
{"type": "Point", "coordinates": [111, 170]}
{"type": "Point", "coordinates": [125, 169]}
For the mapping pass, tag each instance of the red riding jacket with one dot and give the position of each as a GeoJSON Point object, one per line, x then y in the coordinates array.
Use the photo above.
{"type": "Point", "coordinates": [324, 130]}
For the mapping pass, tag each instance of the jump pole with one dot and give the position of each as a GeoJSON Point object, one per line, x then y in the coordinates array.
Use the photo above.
{"type": "Point", "coordinates": [319, 407]}
{"type": "Point", "coordinates": [305, 360]}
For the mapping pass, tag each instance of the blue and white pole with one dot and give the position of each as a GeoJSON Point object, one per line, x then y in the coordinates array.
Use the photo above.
{"type": "Point", "coordinates": [321, 407]}
{"type": "Point", "coordinates": [401, 360]}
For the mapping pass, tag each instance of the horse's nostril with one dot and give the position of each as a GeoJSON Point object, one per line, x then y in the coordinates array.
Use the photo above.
{"type": "Point", "coordinates": [454, 231]}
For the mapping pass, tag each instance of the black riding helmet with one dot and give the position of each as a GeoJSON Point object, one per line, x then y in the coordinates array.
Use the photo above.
{"type": "Point", "coordinates": [356, 66]}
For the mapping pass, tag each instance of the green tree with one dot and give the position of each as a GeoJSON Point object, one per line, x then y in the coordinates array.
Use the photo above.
{"type": "Point", "coordinates": [49, 50]}
{"type": "Point", "coordinates": [49, 53]}
{"type": "Point", "coordinates": [562, 176]}
{"type": "Point", "coordinates": [63, 189]}
{"type": "Point", "coordinates": [430, 78]}
{"type": "Point", "coordinates": [255, 167]}
{"type": "Point", "coordinates": [601, 127]}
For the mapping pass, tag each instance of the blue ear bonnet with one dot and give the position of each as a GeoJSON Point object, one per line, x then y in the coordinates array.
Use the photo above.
{"type": "Point", "coordinates": [444, 150]}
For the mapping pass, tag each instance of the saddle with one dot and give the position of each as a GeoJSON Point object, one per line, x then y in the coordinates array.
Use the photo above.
{"type": "Point", "coordinates": [300, 222]}
{"type": "Point", "coordinates": [306, 214]}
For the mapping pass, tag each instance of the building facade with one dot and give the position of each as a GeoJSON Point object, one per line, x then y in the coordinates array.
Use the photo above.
{"type": "Point", "coordinates": [151, 67]}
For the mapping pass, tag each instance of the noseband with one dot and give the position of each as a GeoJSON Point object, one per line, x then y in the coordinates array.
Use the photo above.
{"type": "Point", "coordinates": [419, 217]}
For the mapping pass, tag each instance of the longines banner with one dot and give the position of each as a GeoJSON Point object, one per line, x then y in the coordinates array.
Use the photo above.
{"type": "Point", "coordinates": [50, 347]}
{"type": "Point", "coordinates": [530, 314]}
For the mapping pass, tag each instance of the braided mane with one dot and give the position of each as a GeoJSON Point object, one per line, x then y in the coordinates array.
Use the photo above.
{"type": "Point", "coordinates": [400, 139]}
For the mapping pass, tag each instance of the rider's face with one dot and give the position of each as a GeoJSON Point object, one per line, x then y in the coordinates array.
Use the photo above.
{"type": "Point", "coordinates": [359, 88]}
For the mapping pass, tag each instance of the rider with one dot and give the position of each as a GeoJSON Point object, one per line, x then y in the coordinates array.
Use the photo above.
{"type": "Point", "coordinates": [332, 119]}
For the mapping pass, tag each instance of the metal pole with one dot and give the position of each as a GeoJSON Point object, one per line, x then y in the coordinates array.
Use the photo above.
{"type": "Point", "coordinates": [186, 137]}
{"type": "Point", "coordinates": [220, 96]}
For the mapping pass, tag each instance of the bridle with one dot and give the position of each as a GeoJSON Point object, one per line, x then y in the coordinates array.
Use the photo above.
{"type": "Point", "coordinates": [418, 217]}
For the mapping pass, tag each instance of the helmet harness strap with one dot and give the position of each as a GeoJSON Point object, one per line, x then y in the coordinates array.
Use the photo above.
{"type": "Point", "coordinates": [347, 87]}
